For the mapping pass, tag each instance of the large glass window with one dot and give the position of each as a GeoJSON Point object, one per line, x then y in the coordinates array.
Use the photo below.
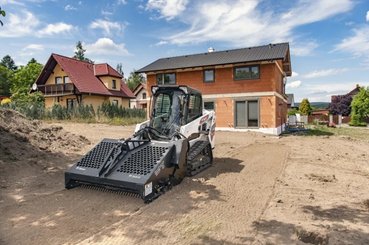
{"type": "Point", "coordinates": [166, 78]}
{"type": "Point", "coordinates": [246, 73]}
{"type": "Point", "coordinates": [209, 76]}
{"type": "Point", "coordinates": [247, 114]}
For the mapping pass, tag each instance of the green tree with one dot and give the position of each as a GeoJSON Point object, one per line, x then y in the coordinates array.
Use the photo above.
{"type": "Point", "coordinates": [305, 107]}
{"type": "Point", "coordinates": [24, 77]}
{"type": "Point", "coordinates": [79, 53]}
{"type": "Point", "coordinates": [2, 13]}
{"type": "Point", "coordinates": [134, 79]}
{"type": "Point", "coordinates": [120, 69]}
{"type": "Point", "coordinates": [5, 80]}
{"type": "Point", "coordinates": [360, 107]}
{"type": "Point", "coordinates": [33, 60]}
{"type": "Point", "coordinates": [8, 62]}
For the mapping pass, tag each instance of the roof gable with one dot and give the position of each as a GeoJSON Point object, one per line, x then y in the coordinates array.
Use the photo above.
{"type": "Point", "coordinates": [252, 54]}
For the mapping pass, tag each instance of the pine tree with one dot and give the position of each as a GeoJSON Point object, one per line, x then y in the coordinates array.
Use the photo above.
{"type": "Point", "coordinates": [120, 69]}
{"type": "Point", "coordinates": [305, 107]}
{"type": "Point", "coordinates": [79, 53]}
{"type": "Point", "coordinates": [8, 62]}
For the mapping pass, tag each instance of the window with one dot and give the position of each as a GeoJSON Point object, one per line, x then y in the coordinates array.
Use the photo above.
{"type": "Point", "coordinates": [143, 96]}
{"type": "Point", "coordinates": [66, 79]}
{"type": "Point", "coordinates": [209, 76]}
{"type": "Point", "coordinates": [209, 105]}
{"type": "Point", "coordinates": [114, 84]}
{"type": "Point", "coordinates": [166, 78]}
{"type": "Point", "coordinates": [247, 114]}
{"type": "Point", "coordinates": [162, 105]}
{"type": "Point", "coordinates": [58, 80]}
{"type": "Point", "coordinates": [114, 102]}
{"type": "Point", "coordinates": [194, 107]}
{"type": "Point", "coordinates": [246, 73]}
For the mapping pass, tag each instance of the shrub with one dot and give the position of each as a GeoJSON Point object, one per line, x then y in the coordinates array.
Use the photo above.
{"type": "Point", "coordinates": [5, 101]}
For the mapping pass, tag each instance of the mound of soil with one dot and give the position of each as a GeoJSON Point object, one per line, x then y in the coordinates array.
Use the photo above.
{"type": "Point", "coordinates": [18, 132]}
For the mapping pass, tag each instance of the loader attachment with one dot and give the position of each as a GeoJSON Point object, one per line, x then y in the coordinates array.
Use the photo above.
{"type": "Point", "coordinates": [142, 167]}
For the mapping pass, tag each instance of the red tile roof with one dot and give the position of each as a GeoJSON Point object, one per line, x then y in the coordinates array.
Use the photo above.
{"type": "Point", "coordinates": [82, 74]}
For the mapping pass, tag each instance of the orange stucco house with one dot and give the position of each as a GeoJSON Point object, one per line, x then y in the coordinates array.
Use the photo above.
{"type": "Point", "coordinates": [245, 87]}
{"type": "Point", "coordinates": [70, 82]}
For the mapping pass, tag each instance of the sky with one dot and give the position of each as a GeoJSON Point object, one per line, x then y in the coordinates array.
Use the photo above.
{"type": "Point", "coordinates": [329, 39]}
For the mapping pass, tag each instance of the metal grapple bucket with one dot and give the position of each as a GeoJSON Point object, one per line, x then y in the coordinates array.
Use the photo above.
{"type": "Point", "coordinates": [142, 167]}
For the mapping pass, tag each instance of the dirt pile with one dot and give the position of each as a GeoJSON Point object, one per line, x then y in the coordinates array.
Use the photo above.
{"type": "Point", "coordinates": [19, 133]}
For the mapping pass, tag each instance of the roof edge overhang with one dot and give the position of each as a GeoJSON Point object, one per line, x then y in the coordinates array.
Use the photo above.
{"type": "Point", "coordinates": [265, 61]}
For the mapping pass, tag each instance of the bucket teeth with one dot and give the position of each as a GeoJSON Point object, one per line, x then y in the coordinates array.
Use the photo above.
{"type": "Point", "coordinates": [102, 189]}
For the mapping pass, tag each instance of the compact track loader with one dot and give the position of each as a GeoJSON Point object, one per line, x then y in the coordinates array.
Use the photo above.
{"type": "Point", "coordinates": [176, 142]}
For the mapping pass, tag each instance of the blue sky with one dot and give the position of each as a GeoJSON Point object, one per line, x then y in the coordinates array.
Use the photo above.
{"type": "Point", "coordinates": [329, 39]}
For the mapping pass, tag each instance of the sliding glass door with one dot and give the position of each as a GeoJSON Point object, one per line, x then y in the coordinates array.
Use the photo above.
{"type": "Point", "coordinates": [247, 114]}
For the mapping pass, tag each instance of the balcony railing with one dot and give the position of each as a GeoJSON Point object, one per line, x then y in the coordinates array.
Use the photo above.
{"type": "Point", "coordinates": [57, 89]}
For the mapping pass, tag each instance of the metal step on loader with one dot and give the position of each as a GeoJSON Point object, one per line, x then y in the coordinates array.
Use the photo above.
{"type": "Point", "coordinates": [176, 142]}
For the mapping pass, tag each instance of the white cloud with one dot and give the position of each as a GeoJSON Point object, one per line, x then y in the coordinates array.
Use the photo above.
{"type": "Point", "coordinates": [56, 28]}
{"type": "Point", "coordinates": [106, 46]}
{"type": "Point", "coordinates": [69, 7]}
{"type": "Point", "coordinates": [357, 44]}
{"type": "Point", "coordinates": [19, 25]}
{"type": "Point", "coordinates": [294, 74]}
{"type": "Point", "coordinates": [162, 42]}
{"type": "Point", "coordinates": [303, 49]}
{"type": "Point", "coordinates": [325, 73]}
{"type": "Point", "coordinates": [367, 16]}
{"type": "Point", "coordinates": [168, 9]}
{"type": "Point", "coordinates": [107, 26]}
{"type": "Point", "coordinates": [243, 22]}
{"type": "Point", "coordinates": [121, 2]}
{"type": "Point", "coordinates": [294, 84]}
{"type": "Point", "coordinates": [36, 47]}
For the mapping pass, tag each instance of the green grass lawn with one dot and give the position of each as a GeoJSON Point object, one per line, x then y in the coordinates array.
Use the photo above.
{"type": "Point", "coordinates": [353, 132]}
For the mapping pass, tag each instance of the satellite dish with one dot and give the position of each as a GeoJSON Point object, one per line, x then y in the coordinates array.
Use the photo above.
{"type": "Point", "coordinates": [34, 86]}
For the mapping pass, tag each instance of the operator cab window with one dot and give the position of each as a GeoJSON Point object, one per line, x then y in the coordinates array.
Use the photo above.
{"type": "Point", "coordinates": [194, 107]}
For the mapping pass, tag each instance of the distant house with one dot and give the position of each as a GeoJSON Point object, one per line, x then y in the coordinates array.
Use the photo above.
{"type": "Point", "coordinates": [290, 101]}
{"type": "Point", "coordinates": [70, 82]}
{"type": "Point", "coordinates": [245, 87]}
{"type": "Point", "coordinates": [140, 92]}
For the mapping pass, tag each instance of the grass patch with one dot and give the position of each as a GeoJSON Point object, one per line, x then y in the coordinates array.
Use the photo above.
{"type": "Point", "coordinates": [352, 132]}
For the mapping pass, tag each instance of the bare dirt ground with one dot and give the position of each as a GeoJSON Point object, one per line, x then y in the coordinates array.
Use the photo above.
{"type": "Point", "coordinates": [260, 190]}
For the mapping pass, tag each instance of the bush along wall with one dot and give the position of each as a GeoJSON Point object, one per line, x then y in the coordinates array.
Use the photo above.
{"type": "Point", "coordinates": [86, 113]}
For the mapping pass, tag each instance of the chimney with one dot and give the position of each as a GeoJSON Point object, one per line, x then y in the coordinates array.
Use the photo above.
{"type": "Point", "coordinates": [211, 50]}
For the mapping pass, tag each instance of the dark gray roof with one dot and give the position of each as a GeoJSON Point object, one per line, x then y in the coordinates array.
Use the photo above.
{"type": "Point", "coordinates": [260, 53]}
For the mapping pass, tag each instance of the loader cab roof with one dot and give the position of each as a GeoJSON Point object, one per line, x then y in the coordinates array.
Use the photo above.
{"type": "Point", "coordinates": [185, 89]}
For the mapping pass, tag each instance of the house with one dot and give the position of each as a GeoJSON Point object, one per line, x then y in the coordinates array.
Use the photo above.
{"type": "Point", "coordinates": [70, 82]}
{"type": "Point", "coordinates": [140, 92]}
{"type": "Point", "coordinates": [290, 101]}
{"type": "Point", "coordinates": [245, 87]}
